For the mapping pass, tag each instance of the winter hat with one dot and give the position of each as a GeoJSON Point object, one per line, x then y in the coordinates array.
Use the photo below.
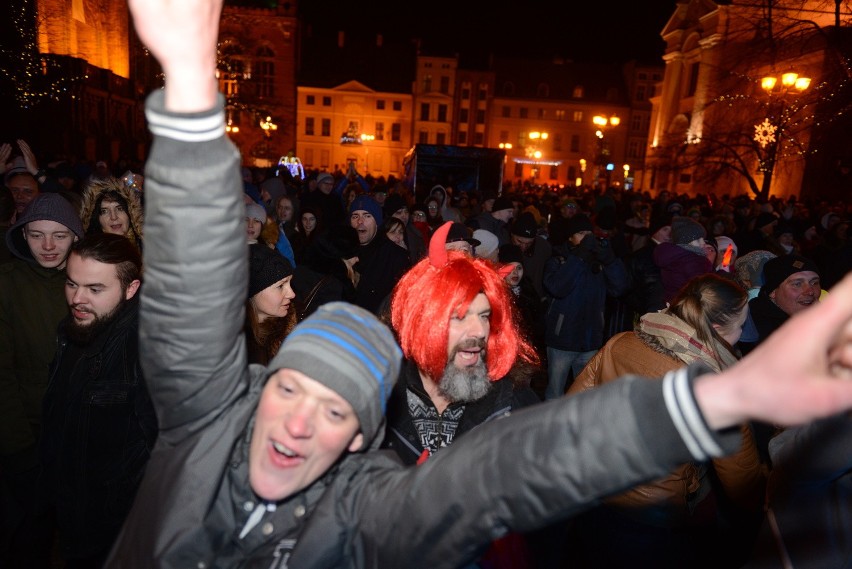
{"type": "Point", "coordinates": [324, 176]}
{"type": "Point", "coordinates": [266, 267]}
{"type": "Point", "coordinates": [19, 166]}
{"type": "Point", "coordinates": [461, 232]}
{"type": "Point", "coordinates": [370, 205]}
{"type": "Point", "coordinates": [764, 219]}
{"type": "Point", "coordinates": [348, 350]}
{"type": "Point", "coordinates": [510, 253]}
{"type": "Point", "coordinates": [657, 222]}
{"type": "Point", "coordinates": [525, 225]}
{"type": "Point", "coordinates": [487, 249]}
{"type": "Point", "coordinates": [685, 230]}
{"type": "Point", "coordinates": [502, 203]}
{"type": "Point", "coordinates": [579, 222]}
{"type": "Point", "coordinates": [256, 211]}
{"type": "Point", "coordinates": [776, 270]}
{"type": "Point", "coordinates": [393, 203]}
{"type": "Point", "coordinates": [49, 207]}
{"type": "Point", "coordinates": [722, 243]}
{"type": "Point", "coordinates": [749, 267]}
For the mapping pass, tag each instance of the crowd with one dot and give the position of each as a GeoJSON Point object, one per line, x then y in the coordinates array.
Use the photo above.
{"type": "Point", "coordinates": [333, 371]}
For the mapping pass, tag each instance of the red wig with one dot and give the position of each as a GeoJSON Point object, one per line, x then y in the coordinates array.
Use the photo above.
{"type": "Point", "coordinates": [428, 295]}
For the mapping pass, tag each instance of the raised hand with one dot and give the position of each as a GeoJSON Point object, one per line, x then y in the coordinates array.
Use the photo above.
{"type": "Point", "coordinates": [182, 35]}
{"type": "Point", "coordinates": [799, 373]}
{"type": "Point", "coordinates": [29, 156]}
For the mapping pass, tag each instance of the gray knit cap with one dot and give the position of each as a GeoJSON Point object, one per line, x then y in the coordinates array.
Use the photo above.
{"type": "Point", "coordinates": [44, 207]}
{"type": "Point", "coordinates": [347, 349]}
{"type": "Point", "coordinates": [686, 230]}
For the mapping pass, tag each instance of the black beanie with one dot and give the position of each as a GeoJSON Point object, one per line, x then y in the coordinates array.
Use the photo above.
{"type": "Point", "coordinates": [266, 267]}
{"type": "Point", "coordinates": [686, 230]}
{"type": "Point", "coordinates": [776, 270]}
{"type": "Point", "coordinates": [579, 222]}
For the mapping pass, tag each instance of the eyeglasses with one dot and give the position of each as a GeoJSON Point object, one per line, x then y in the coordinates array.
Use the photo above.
{"type": "Point", "coordinates": [433, 207]}
{"type": "Point", "coordinates": [419, 215]}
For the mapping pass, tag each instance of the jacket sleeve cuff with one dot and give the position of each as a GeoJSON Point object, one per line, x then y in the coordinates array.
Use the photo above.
{"type": "Point", "coordinates": [186, 127]}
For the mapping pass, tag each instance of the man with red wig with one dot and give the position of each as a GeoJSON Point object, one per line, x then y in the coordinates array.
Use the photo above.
{"type": "Point", "coordinates": [464, 354]}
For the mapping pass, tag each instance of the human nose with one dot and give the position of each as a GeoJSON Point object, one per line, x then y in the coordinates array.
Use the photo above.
{"type": "Point", "coordinates": [113, 215]}
{"type": "Point", "coordinates": [300, 422]}
{"type": "Point", "coordinates": [79, 296]}
{"type": "Point", "coordinates": [49, 244]}
{"type": "Point", "coordinates": [475, 327]}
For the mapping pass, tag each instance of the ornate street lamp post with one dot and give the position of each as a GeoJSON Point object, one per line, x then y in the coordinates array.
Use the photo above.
{"type": "Point", "coordinates": [768, 134]}
{"type": "Point", "coordinates": [603, 166]}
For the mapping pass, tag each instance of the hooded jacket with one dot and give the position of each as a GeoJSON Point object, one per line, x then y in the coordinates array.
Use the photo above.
{"type": "Point", "coordinates": [366, 510]}
{"type": "Point", "coordinates": [32, 302]}
{"type": "Point", "coordinates": [90, 200]}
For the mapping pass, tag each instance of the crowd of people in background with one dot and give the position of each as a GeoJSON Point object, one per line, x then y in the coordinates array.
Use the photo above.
{"type": "Point", "coordinates": [591, 284]}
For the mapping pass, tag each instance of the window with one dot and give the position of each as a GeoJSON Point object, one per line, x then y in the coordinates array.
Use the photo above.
{"type": "Point", "coordinates": [483, 91]}
{"type": "Point", "coordinates": [442, 138]}
{"type": "Point", "coordinates": [578, 116]}
{"type": "Point", "coordinates": [523, 112]}
{"type": "Point", "coordinates": [424, 111]}
{"type": "Point", "coordinates": [380, 104]}
{"type": "Point", "coordinates": [462, 136]}
{"type": "Point", "coordinates": [557, 142]}
{"type": "Point", "coordinates": [423, 137]}
{"type": "Point", "coordinates": [396, 132]}
{"type": "Point", "coordinates": [309, 126]}
{"type": "Point", "coordinates": [427, 83]}
{"type": "Point", "coordinates": [578, 92]}
{"type": "Point", "coordinates": [464, 115]}
{"type": "Point", "coordinates": [264, 72]}
{"type": "Point", "coordinates": [504, 136]}
{"type": "Point", "coordinates": [445, 85]}
{"type": "Point", "coordinates": [326, 127]}
{"type": "Point", "coordinates": [640, 93]}
{"type": "Point", "coordinates": [572, 174]}
{"type": "Point", "coordinates": [693, 79]}
{"type": "Point", "coordinates": [380, 130]}
{"type": "Point", "coordinates": [478, 138]}
{"type": "Point", "coordinates": [480, 116]}
{"type": "Point", "coordinates": [326, 101]}
{"type": "Point", "coordinates": [397, 105]}
{"type": "Point", "coordinates": [560, 114]}
{"type": "Point", "coordinates": [636, 122]}
{"type": "Point", "coordinates": [519, 170]}
{"type": "Point", "coordinates": [442, 113]}
{"type": "Point", "coordinates": [575, 143]}
{"type": "Point", "coordinates": [465, 93]}
{"type": "Point", "coordinates": [554, 172]}
{"type": "Point", "coordinates": [635, 149]}
{"type": "Point", "coordinates": [310, 100]}
{"type": "Point", "coordinates": [507, 112]}
{"type": "Point", "coordinates": [542, 113]}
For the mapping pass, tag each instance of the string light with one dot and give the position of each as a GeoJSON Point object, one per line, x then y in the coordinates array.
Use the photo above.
{"type": "Point", "coordinates": [35, 76]}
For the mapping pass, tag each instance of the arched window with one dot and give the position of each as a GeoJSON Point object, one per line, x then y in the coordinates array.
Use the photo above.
{"type": "Point", "coordinates": [230, 67]}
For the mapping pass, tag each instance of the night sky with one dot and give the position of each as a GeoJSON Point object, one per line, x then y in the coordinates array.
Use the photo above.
{"type": "Point", "coordinates": [591, 31]}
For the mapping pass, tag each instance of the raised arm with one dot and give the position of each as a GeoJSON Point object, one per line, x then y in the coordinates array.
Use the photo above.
{"type": "Point", "coordinates": [195, 256]}
{"type": "Point", "coordinates": [800, 373]}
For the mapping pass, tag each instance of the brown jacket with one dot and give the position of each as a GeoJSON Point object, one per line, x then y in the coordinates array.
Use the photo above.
{"type": "Point", "coordinates": [666, 501]}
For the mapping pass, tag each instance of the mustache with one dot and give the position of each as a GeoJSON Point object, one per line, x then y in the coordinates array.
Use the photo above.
{"type": "Point", "coordinates": [469, 344]}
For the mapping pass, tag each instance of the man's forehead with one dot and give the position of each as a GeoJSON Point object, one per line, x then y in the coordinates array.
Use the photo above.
{"type": "Point", "coordinates": [46, 225]}
{"type": "Point", "coordinates": [802, 276]}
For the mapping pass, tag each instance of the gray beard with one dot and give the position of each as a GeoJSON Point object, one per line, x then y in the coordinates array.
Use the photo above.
{"type": "Point", "coordinates": [464, 385]}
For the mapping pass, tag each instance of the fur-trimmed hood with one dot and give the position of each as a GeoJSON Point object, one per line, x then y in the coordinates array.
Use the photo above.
{"type": "Point", "coordinates": [91, 195]}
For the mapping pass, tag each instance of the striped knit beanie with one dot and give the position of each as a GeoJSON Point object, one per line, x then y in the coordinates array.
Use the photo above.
{"type": "Point", "coordinates": [347, 349]}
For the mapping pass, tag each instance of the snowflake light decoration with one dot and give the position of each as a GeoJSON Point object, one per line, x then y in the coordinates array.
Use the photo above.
{"type": "Point", "coordinates": [764, 133]}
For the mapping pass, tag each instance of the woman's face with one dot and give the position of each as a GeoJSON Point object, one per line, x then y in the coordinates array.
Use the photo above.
{"type": "Point", "coordinates": [432, 208]}
{"type": "Point", "coordinates": [113, 218]}
{"type": "Point", "coordinates": [284, 210]}
{"type": "Point", "coordinates": [253, 228]}
{"type": "Point", "coordinates": [274, 300]}
{"type": "Point", "coordinates": [309, 222]}
{"type": "Point", "coordinates": [397, 235]}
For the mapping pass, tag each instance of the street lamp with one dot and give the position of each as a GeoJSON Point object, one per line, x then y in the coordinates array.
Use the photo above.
{"type": "Point", "coordinates": [602, 162]}
{"type": "Point", "coordinates": [769, 132]}
{"type": "Point", "coordinates": [268, 126]}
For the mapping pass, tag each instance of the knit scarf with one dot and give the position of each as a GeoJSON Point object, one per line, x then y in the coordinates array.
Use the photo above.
{"type": "Point", "coordinates": [679, 339]}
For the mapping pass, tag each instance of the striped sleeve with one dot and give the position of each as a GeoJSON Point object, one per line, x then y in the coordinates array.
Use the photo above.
{"type": "Point", "coordinates": [680, 402]}
{"type": "Point", "coordinates": [191, 127]}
